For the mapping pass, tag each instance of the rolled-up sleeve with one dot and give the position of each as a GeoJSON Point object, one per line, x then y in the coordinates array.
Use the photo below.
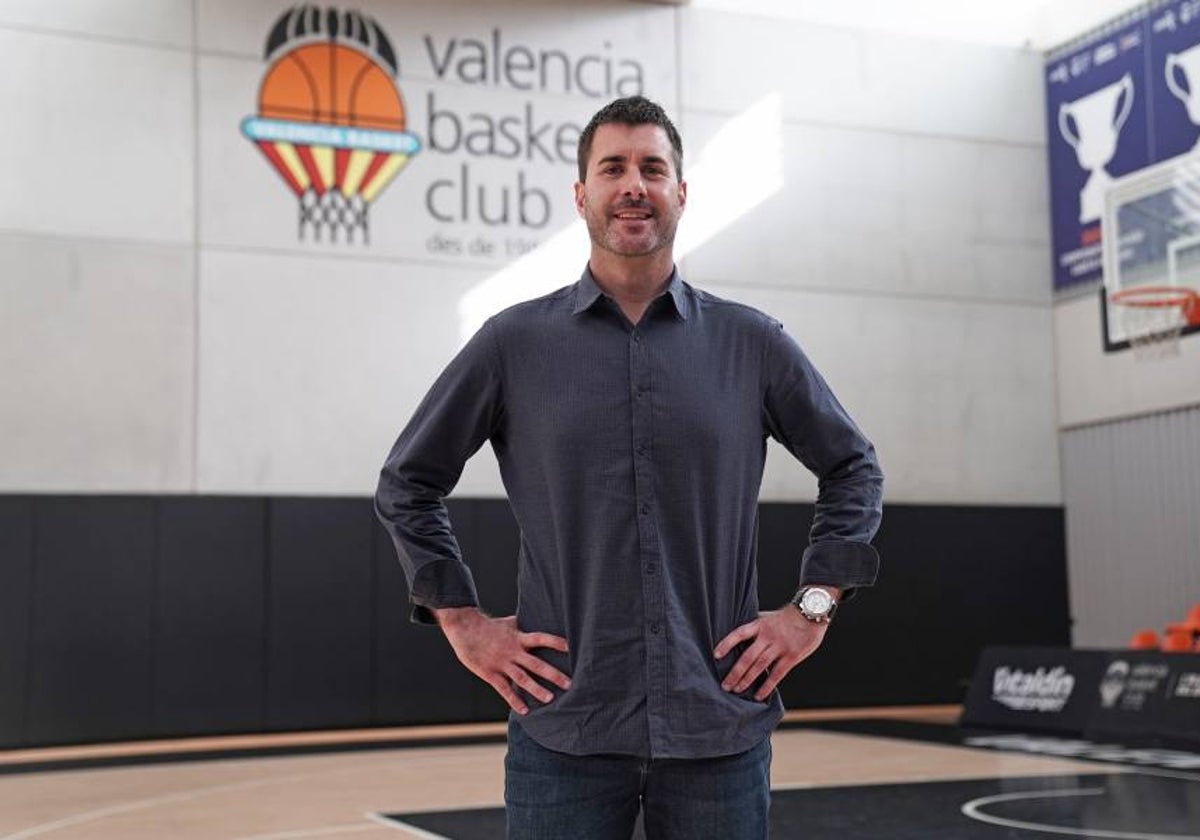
{"type": "Point", "coordinates": [462, 410]}
{"type": "Point", "coordinates": [801, 412]}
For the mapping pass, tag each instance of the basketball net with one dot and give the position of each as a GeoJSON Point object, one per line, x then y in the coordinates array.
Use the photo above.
{"type": "Point", "coordinates": [332, 212]}
{"type": "Point", "coordinates": [1153, 318]}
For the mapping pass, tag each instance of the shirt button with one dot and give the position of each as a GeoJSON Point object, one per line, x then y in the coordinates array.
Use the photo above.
{"type": "Point", "coordinates": [637, 338]}
{"type": "Point", "coordinates": [650, 568]}
{"type": "Point", "coordinates": [641, 449]}
{"type": "Point", "coordinates": [645, 509]}
{"type": "Point", "coordinates": [654, 628]}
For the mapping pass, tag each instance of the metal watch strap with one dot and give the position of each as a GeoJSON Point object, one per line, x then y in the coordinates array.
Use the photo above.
{"type": "Point", "coordinates": [798, 603]}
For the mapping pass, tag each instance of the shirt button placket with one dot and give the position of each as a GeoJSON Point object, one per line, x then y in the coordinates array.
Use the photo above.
{"type": "Point", "coordinates": [653, 596]}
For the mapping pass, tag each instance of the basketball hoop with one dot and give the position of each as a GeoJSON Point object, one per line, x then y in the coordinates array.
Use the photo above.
{"type": "Point", "coordinates": [330, 118]}
{"type": "Point", "coordinates": [1153, 317]}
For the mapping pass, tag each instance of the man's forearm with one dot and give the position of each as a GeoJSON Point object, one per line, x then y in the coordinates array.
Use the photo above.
{"type": "Point", "coordinates": [455, 616]}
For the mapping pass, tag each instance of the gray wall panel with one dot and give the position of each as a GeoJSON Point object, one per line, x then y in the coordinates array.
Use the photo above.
{"type": "Point", "coordinates": [98, 360]}
{"type": "Point", "coordinates": [166, 23]}
{"type": "Point", "coordinates": [853, 76]}
{"type": "Point", "coordinates": [1132, 489]}
{"type": "Point", "coordinates": [101, 139]}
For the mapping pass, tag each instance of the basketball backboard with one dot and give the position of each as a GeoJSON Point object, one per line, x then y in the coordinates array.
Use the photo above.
{"type": "Point", "coordinates": [1151, 237]}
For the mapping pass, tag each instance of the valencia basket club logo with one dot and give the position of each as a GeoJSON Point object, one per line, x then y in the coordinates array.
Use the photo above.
{"type": "Point", "coordinates": [330, 118]}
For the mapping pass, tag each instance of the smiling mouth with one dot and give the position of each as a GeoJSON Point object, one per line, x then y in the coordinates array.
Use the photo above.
{"type": "Point", "coordinates": [633, 211]}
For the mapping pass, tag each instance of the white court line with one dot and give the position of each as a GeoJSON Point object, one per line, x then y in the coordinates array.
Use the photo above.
{"type": "Point", "coordinates": [403, 826]}
{"type": "Point", "coordinates": [972, 810]}
{"type": "Point", "coordinates": [312, 832]}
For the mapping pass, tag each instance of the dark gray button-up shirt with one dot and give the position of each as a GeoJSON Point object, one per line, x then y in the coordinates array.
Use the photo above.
{"type": "Point", "coordinates": [632, 457]}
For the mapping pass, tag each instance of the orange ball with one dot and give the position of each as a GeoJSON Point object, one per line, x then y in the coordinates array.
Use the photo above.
{"type": "Point", "coordinates": [331, 84]}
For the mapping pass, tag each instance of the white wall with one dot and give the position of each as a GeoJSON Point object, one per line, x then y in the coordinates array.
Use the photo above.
{"type": "Point", "coordinates": [907, 249]}
{"type": "Point", "coordinates": [1035, 24]}
{"type": "Point", "coordinates": [97, 247]}
{"type": "Point", "coordinates": [165, 330]}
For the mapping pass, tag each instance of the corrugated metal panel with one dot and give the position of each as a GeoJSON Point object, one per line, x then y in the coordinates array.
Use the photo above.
{"type": "Point", "coordinates": [1132, 495]}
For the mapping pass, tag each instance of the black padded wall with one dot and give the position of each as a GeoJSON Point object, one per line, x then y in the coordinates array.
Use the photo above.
{"type": "Point", "coordinates": [16, 586]}
{"type": "Point", "coordinates": [146, 617]}
{"type": "Point", "coordinates": [209, 645]}
{"type": "Point", "coordinates": [91, 619]}
{"type": "Point", "coordinates": [952, 580]}
{"type": "Point", "coordinates": [319, 613]}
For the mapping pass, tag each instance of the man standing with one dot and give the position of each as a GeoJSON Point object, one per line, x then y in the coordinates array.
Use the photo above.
{"type": "Point", "coordinates": [629, 413]}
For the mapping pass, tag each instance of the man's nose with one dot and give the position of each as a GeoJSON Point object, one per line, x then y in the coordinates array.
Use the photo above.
{"type": "Point", "coordinates": [633, 183]}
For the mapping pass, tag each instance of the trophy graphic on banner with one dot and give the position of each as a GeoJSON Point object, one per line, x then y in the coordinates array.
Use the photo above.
{"type": "Point", "coordinates": [1188, 62]}
{"type": "Point", "coordinates": [1098, 122]}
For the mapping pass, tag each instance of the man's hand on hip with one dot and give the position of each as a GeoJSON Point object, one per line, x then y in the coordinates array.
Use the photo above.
{"type": "Point", "coordinates": [497, 652]}
{"type": "Point", "coordinates": [782, 640]}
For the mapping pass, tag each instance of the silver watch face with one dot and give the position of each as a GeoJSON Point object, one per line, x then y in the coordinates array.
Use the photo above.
{"type": "Point", "coordinates": [816, 602]}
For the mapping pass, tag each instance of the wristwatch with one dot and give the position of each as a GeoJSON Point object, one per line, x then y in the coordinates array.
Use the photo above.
{"type": "Point", "coordinates": [815, 604]}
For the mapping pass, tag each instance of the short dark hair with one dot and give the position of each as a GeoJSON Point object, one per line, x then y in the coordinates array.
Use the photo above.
{"type": "Point", "coordinates": [632, 110]}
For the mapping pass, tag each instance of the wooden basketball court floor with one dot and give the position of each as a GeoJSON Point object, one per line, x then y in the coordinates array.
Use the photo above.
{"type": "Point", "coordinates": [829, 781]}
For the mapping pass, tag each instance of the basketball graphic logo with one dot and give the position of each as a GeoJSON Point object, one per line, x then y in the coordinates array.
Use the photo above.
{"type": "Point", "coordinates": [330, 117]}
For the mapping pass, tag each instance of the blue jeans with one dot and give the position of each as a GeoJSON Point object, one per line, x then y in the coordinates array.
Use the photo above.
{"type": "Point", "coordinates": [554, 796]}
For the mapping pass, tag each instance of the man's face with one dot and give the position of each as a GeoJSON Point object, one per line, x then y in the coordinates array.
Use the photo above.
{"type": "Point", "coordinates": [632, 198]}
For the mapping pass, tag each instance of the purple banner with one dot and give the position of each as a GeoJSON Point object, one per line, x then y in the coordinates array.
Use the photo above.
{"type": "Point", "coordinates": [1117, 102]}
{"type": "Point", "coordinates": [1098, 123]}
{"type": "Point", "coordinates": [1174, 61]}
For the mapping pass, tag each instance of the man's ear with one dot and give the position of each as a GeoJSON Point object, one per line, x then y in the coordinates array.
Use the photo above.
{"type": "Point", "coordinates": [682, 194]}
{"type": "Point", "coordinates": [580, 197]}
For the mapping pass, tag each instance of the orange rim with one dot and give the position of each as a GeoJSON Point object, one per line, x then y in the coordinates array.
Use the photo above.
{"type": "Point", "coordinates": [1151, 297]}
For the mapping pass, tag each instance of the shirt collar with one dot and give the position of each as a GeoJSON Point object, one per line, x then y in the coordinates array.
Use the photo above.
{"type": "Point", "coordinates": [587, 292]}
